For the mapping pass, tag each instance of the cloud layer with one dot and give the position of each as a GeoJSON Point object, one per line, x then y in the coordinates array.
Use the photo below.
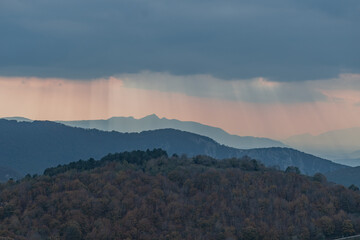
{"type": "Point", "coordinates": [56, 99]}
{"type": "Point", "coordinates": [280, 40]}
{"type": "Point", "coordinates": [256, 90]}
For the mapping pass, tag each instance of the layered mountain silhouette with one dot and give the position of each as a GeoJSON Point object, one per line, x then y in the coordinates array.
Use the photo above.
{"type": "Point", "coordinates": [342, 145]}
{"type": "Point", "coordinates": [153, 122]}
{"type": "Point", "coordinates": [31, 147]}
{"type": "Point", "coordinates": [19, 119]}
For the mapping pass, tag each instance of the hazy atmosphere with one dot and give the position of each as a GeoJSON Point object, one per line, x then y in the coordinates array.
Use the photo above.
{"type": "Point", "coordinates": [187, 119]}
{"type": "Point", "coordinates": [250, 67]}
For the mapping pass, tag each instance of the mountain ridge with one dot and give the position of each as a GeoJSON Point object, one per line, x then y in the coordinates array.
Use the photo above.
{"type": "Point", "coordinates": [150, 195]}
{"type": "Point", "coordinates": [153, 122]}
{"type": "Point", "coordinates": [335, 144]}
{"type": "Point", "coordinates": [30, 147]}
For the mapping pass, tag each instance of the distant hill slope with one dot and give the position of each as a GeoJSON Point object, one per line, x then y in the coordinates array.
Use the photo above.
{"type": "Point", "coordinates": [30, 147]}
{"type": "Point", "coordinates": [153, 122]}
{"type": "Point", "coordinates": [19, 119]}
{"type": "Point", "coordinates": [148, 195]}
{"type": "Point", "coordinates": [353, 162]}
{"type": "Point", "coordinates": [346, 176]}
{"type": "Point", "coordinates": [307, 163]}
{"type": "Point", "coordinates": [336, 144]}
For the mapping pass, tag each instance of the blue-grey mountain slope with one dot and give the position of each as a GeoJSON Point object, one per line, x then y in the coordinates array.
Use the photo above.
{"type": "Point", "coordinates": [342, 146]}
{"type": "Point", "coordinates": [19, 119]}
{"type": "Point", "coordinates": [153, 122]}
{"type": "Point", "coordinates": [346, 176]}
{"type": "Point", "coordinates": [31, 147]}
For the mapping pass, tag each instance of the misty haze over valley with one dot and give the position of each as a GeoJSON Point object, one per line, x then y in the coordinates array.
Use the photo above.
{"type": "Point", "coordinates": [179, 119]}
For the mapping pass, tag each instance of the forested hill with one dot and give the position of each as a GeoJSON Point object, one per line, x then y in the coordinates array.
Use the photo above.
{"type": "Point", "coordinates": [148, 195]}
{"type": "Point", "coordinates": [30, 147]}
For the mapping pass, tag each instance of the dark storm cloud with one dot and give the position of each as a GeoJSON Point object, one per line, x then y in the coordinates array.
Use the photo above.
{"type": "Point", "coordinates": [279, 40]}
{"type": "Point", "coordinates": [256, 90]}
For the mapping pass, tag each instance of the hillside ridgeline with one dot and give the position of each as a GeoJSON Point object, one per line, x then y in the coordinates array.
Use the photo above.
{"type": "Point", "coordinates": [148, 195]}
{"type": "Point", "coordinates": [30, 147]}
{"type": "Point", "coordinates": [153, 122]}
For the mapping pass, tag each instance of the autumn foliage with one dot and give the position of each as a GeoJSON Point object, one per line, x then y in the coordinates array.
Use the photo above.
{"type": "Point", "coordinates": [148, 195]}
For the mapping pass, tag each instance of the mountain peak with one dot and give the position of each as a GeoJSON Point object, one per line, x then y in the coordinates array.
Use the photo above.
{"type": "Point", "coordinates": [152, 121]}
{"type": "Point", "coordinates": [151, 116]}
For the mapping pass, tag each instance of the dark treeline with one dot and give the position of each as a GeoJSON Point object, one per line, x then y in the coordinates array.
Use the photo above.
{"type": "Point", "coordinates": [149, 195]}
{"type": "Point", "coordinates": [139, 158]}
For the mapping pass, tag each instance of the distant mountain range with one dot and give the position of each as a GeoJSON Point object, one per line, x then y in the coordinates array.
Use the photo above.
{"type": "Point", "coordinates": [353, 162]}
{"type": "Point", "coordinates": [30, 147]}
{"type": "Point", "coordinates": [19, 119]}
{"type": "Point", "coordinates": [153, 122]}
{"type": "Point", "coordinates": [339, 145]}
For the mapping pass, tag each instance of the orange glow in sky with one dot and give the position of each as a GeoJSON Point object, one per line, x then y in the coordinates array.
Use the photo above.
{"type": "Point", "coordinates": [59, 99]}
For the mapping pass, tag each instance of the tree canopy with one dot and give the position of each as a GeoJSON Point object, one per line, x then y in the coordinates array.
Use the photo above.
{"type": "Point", "coordinates": [149, 195]}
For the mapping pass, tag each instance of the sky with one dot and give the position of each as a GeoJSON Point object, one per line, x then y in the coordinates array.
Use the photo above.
{"type": "Point", "coordinates": [256, 68]}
